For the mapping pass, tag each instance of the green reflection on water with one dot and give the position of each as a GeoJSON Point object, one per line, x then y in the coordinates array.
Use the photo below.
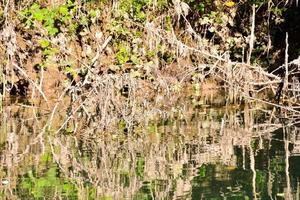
{"type": "Point", "coordinates": [216, 154]}
{"type": "Point", "coordinates": [46, 185]}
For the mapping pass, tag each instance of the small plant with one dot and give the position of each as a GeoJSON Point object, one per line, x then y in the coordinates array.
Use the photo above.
{"type": "Point", "coordinates": [49, 18]}
{"type": "Point", "coordinates": [123, 54]}
{"type": "Point", "coordinates": [135, 8]}
{"type": "Point", "coordinates": [47, 52]}
{"type": "Point", "coordinates": [202, 6]}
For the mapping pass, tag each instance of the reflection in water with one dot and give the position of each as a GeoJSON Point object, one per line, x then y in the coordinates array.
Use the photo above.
{"type": "Point", "coordinates": [216, 154]}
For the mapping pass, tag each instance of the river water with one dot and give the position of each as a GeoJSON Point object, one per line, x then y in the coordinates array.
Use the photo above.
{"type": "Point", "coordinates": [236, 152]}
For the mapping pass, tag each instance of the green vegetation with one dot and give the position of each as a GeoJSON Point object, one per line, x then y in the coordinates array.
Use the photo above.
{"type": "Point", "coordinates": [49, 18]}
{"type": "Point", "coordinates": [151, 40]}
{"type": "Point", "coordinates": [49, 182]}
{"type": "Point", "coordinates": [128, 67]}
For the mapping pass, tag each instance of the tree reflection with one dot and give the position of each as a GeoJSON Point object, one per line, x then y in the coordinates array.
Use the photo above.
{"type": "Point", "coordinates": [218, 153]}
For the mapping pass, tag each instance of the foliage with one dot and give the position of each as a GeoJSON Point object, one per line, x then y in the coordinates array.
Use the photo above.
{"type": "Point", "coordinates": [123, 54]}
{"type": "Point", "coordinates": [49, 18]}
{"type": "Point", "coordinates": [135, 8]}
{"type": "Point", "coordinates": [49, 181]}
{"type": "Point", "coordinates": [140, 167]}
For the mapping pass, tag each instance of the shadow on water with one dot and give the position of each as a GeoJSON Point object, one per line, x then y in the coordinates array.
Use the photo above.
{"type": "Point", "coordinates": [218, 153]}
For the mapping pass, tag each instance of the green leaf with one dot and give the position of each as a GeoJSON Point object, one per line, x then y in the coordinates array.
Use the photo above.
{"type": "Point", "coordinates": [28, 22]}
{"type": "Point", "coordinates": [135, 60]}
{"type": "Point", "coordinates": [93, 13]}
{"type": "Point", "coordinates": [84, 20]}
{"type": "Point", "coordinates": [63, 10]}
{"type": "Point", "coordinates": [201, 7]}
{"type": "Point", "coordinates": [52, 30]}
{"type": "Point", "coordinates": [74, 74]}
{"type": "Point", "coordinates": [49, 51]}
{"type": "Point", "coordinates": [44, 43]}
{"type": "Point", "coordinates": [49, 21]}
{"type": "Point", "coordinates": [35, 7]}
{"type": "Point", "coordinates": [39, 15]}
{"type": "Point", "coordinates": [122, 55]}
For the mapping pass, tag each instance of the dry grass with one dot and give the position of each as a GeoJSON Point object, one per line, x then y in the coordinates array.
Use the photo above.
{"type": "Point", "coordinates": [137, 92]}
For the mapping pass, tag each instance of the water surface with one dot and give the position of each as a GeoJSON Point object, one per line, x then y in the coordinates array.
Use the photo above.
{"type": "Point", "coordinates": [215, 153]}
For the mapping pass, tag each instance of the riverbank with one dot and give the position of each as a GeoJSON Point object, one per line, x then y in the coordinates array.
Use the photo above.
{"type": "Point", "coordinates": [117, 62]}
